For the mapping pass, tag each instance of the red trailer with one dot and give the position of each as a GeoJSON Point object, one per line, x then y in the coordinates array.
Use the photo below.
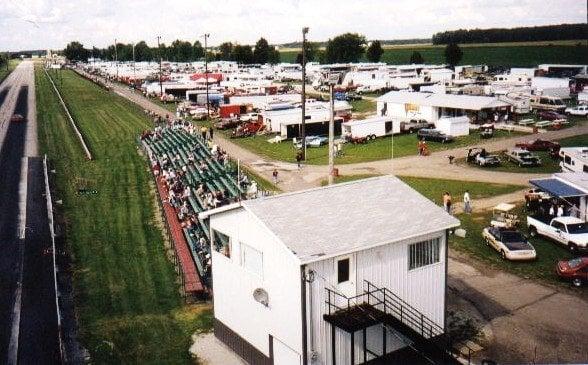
{"type": "Point", "coordinates": [226, 111]}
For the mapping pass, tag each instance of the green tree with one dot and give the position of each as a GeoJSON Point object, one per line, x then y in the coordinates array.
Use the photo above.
{"type": "Point", "coordinates": [374, 52]}
{"type": "Point", "coordinates": [243, 54]}
{"type": "Point", "coordinates": [143, 52]}
{"type": "Point", "coordinates": [348, 47]}
{"type": "Point", "coordinates": [75, 51]}
{"type": "Point", "coordinates": [226, 51]}
{"type": "Point", "coordinates": [197, 51]}
{"type": "Point", "coordinates": [416, 58]}
{"type": "Point", "coordinates": [181, 51]}
{"type": "Point", "coordinates": [311, 53]}
{"type": "Point", "coordinates": [453, 54]}
{"type": "Point", "coordinates": [274, 56]}
{"type": "Point", "coordinates": [261, 52]}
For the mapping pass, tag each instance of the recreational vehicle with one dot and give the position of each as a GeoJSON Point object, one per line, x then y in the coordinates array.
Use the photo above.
{"type": "Point", "coordinates": [574, 159]}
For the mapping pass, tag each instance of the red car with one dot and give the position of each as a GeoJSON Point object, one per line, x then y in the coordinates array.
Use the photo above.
{"type": "Point", "coordinates": [550, 115]}
{"type": "Point", "coordinates": [575, 270]}
{"type": "Point", "coordinates": [17, 118]}
{"type": "Point", "coordinates": [539, 145]}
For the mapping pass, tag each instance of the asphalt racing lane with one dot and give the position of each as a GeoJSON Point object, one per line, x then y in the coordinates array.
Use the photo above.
{"type": "Point", "coordinates": [38, 323]}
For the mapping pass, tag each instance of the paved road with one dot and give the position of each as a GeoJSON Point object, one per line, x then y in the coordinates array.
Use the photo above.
{"type": "Point", "coordinates": [529, 322]}
{"type": "Point", "coordinates": [28, 322]}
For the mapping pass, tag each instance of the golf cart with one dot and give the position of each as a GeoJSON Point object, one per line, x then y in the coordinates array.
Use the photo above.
{"type": "Point", "coordinates": [502, 216]}
{"type": "Point", "coordinates": [487, 130]}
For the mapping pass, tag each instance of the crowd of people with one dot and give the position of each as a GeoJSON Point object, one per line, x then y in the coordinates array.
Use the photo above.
{"type": "Point", "coordinates": [171, 170]}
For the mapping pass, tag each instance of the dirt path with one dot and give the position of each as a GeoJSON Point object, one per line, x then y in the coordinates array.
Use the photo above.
{"type": "Point", "coordinates": [530, 322]}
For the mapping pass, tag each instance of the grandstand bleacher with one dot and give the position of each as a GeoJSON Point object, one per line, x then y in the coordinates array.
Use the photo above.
{"type": "Point", "coordinates": [192, 176]}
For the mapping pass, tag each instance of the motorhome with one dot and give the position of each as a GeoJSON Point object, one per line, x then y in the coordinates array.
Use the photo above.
{"type": "Point", "coordinates": [542, 102]}
{"type": "Point", "coordinates": [574, 159]}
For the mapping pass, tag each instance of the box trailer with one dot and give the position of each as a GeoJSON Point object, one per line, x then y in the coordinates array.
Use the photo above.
{"type": "Point", "coordinates": [227, 111]}
{"type": "Point", "coordinates": [371, 127]}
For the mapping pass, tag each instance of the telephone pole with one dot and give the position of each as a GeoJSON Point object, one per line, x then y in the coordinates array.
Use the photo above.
{"type": "Point", "coordinates": [116, 57]}
{"type": "Point", "coordinates": [206, 35]}
{"type": "Point", "coordinates": [160, 85]}
{"type": "Point", "coordinates": [303, 124]}
{"type": "Point", "coordinates": [134, 70]}
{"type": "Point", "coordinates": [333, 78]}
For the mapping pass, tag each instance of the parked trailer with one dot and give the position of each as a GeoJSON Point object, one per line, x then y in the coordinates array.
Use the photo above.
{"type": "Point", "coordinates": [574, 159]}
{"type": "Point", "coordinates": [371, 128]}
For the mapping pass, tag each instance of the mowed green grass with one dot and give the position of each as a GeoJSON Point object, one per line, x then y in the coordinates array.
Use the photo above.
{"type": "Point", "coordinates": [4, 71]}
{"type": "Point", "coordinates": [493, 55]}
{"type": "Point", "coordinates": [378, 149]}
{"type": "Point", "coordinates": [130, 310]}
{"type": "Point", "coordinates": [433, 189]}
{"type": "Point", "coordinates": [543, 268]}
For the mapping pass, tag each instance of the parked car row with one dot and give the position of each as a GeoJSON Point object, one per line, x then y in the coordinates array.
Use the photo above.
{"type": "Point", "coordinates": [503, 236]}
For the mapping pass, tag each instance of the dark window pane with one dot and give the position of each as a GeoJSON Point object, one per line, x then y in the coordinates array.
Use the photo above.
{"type": "Point", "coordinates": [342, 271]}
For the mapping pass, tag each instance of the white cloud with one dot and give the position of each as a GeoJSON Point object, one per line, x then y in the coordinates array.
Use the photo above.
{"type": "Point", "coordinates": [100, 22]}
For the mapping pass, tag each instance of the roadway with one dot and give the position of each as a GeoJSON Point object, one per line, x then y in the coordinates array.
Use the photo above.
{"type": "Point", "coordinates": [28, 321]}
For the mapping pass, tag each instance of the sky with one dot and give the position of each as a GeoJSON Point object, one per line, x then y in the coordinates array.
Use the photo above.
{"type": "Point", "coordinates": [51, 24]}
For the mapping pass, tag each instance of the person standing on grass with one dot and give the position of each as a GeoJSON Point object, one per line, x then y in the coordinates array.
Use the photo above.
{"type": "Point", "coordinates": [299, 158]}
{"type": "Point", "coordinates": [467, 203]}
{"type": "Point", "coordinates": [447, 202]}
{"type": "Point", "coordinates": [275, 176]}
{"type": "Point", "coordinates": [211, 132]}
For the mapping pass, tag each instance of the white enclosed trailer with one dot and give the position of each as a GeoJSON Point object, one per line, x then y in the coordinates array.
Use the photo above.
{"type": "Point", "coordinates": [371, 127]}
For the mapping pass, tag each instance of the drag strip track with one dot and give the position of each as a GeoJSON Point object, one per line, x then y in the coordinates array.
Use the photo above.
{"type": "Point", "coordinates": [11, 156]}
{"type": "Point", "coordinates": [38, 307]}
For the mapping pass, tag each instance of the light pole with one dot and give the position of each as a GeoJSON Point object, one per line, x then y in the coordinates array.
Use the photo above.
{"type": "Point", "coordinates": [116, 57]}
{"type": "Point", "coordinates": [303, 124]}
{"type": "Point", "coordinates": [159, 50]}
{"type": "Point", "coordinates": [134, 70]}
{"type": "Point", "coordinates": [206, 35]}
{"type": "Point", "coordinates": [333, 79]}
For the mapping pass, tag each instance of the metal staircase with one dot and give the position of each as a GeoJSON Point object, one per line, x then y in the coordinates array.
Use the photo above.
{"type": "Point", "coordinates": [381, 306]}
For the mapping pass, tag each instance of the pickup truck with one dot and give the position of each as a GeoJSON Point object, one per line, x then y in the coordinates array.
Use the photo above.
{"type": "Point", "coordinates": [415, 125]}
{"type": "Point", "coordinates": [571, 232]}
{"type": "Point", "coordinates": [523, 157]}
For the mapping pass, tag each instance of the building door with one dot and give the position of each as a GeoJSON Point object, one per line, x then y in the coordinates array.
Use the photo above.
{"type": "Point", "coordinates": [284, 354]}
{"type": "Point", "coordinates": [345, 275]}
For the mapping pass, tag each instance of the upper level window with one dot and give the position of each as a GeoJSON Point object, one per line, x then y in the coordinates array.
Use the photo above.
{"type": "Point", "coordinates": [252, 259]}
{"type": "Point", "coordinates": [423, 253]}
{"type": "Point", "coordinates": [221, 243]}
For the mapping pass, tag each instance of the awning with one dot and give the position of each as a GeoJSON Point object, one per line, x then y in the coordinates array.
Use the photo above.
{"type": "Point", "coordinates": [557, 188]}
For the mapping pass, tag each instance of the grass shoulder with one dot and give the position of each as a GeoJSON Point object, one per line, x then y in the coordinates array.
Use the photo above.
{"type": "Point", "coordinates": [127, 298]}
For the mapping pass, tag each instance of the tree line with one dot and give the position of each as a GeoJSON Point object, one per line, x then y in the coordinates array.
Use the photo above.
{"type": "Point", "coordinates": [521, 34]}
{"type": "Point", "coordinates": [177, 51]}
{"type": "Point", "coordinates": [344, 48]}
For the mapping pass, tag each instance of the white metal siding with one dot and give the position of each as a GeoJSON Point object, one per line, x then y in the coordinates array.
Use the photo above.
{"type": "Point", "coordinates": [384, 266]}
{"type": "Point", "coordinates": [234, 285]}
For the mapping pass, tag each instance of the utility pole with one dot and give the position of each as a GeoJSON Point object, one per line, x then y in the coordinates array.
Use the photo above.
{"type": "Point", "coordinates": [116, 57]}
{"type": "Point", "coordinates": [303, 124]}
{"type": "Point", "coordinates": [206, 35]}
{"type": "Point", "coordinates": [160, 85]}
{"type": "Point", "coordinates": [134, 71]}
{"type": "Point", "coordinates": [333, 78]}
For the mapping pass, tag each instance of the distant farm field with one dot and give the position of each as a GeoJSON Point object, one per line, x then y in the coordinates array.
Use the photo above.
{"type": "Point", "coordinates": [494, 54]}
